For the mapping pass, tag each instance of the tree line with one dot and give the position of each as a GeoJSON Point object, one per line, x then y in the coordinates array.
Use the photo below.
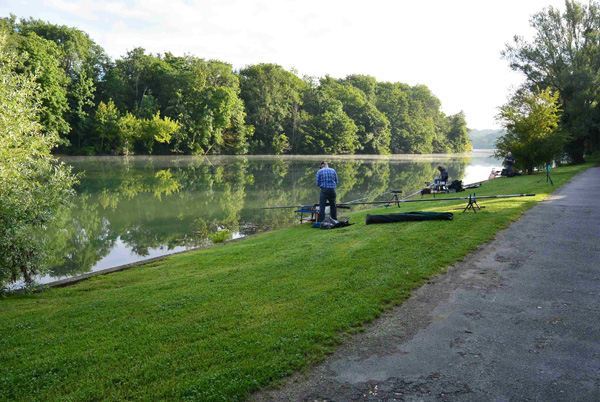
{"type": "Point", "coordinates": [161, 103]}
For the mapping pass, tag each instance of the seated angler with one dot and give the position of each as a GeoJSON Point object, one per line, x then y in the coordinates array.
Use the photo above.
{"type": "Point", "coordinates": [443, 177]}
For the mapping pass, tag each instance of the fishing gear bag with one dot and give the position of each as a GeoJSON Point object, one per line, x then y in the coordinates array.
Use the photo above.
{"type": "Point", "coordinates": [456, 185]}
{"type": "Point", "coordinates": [330, 223]}
{"type": "Point", "coordinates": [410, 217]}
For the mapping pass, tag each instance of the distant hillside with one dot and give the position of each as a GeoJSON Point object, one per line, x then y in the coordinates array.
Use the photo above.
{"type": "Point", "coordinates": [484, 139]}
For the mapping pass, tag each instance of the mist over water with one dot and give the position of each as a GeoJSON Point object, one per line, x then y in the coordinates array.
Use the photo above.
{"type": "Point", "coordinates": [136, 208]}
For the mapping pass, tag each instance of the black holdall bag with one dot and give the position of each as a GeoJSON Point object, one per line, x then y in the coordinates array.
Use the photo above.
{"type": "Point", "coordinates": [330, 223]}
{"type": "Point", "coordinates": [412, 216]}
{"type": "Point", "coordinates": [456, 185]}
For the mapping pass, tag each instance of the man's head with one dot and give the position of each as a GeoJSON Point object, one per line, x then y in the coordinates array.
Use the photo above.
{"type": "Point", "coordinates": [510, 154]}
{"type": "Point", "coordinates": [324, 164]}
{"type": "Point", "coordinates": [440, 168]}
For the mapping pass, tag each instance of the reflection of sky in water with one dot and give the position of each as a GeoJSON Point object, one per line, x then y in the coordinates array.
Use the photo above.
{"type": "Point", "coordinates": [481, 166]}
{"type": "Point", "coordinates": [119, 255]}
{"type": "Point", "coordinates": [477, 170]}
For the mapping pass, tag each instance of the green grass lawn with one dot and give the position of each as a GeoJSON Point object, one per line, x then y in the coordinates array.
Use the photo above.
{"type": "Point", "coordinates": [219, 323]}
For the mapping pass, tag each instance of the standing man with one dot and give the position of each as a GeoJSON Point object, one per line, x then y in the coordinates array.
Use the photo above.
{"type": "Point", "coordinates": [327, 180]}
{"type": "Point", "coordinates": [509, 163]}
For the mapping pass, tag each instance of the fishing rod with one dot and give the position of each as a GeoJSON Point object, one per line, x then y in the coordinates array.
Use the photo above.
{"type": "Point", "coordinates": [305, 206]}
{"type": "Point", "coordinates": [395, 192]}
{"type": "Point", "coordinates": [288, 206]}
{"type": "Point", "coordinates": [470, 197]}
{"type": "Point", "coordinates": [451, 199]}
{"type": "Point", "coordinates": [394, 200]}
{"type": "Point", "coordinates": [371, 196]}
{"type": "Point", "coordinates": [413, 194]}
{"type": "Point", "coordinates": [405, 199]}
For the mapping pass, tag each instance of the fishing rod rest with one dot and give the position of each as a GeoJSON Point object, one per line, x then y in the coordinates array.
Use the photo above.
{"type": "Point", "coordinates": [472, 204]}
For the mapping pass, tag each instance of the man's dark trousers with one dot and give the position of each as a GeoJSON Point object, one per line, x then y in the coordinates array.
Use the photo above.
{"type": "Point", "coordinates": [327, 194]}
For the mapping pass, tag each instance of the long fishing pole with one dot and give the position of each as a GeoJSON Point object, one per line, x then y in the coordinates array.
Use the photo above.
{"type": "Point", "coordinates": [415, 193]}
{"type": "Point", "coordinates": [371, 196]}
{"type": "Point", "coordinates": [289, 206]}
{"type": "Point", "coordinates": [392, 201]}
{"type": "Point", "coordinates": [305, 206]}
{"type": "Point", "coordinates": [453, 198]}
{"type": "Point", "coordinates": [467, 198]}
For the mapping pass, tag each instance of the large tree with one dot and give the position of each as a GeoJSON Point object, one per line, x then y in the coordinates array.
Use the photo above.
{"type": "Point", "coordinates": [532, 133]}
{"type": "Point", "coordinates": [69, 66]}
{"type": "Point", "coordinates": [207, 102]}
{"type": "Point", "coordinates": [41, 58]}
{"type": "Point", "coordinates": [392, 99]}
{"type": "Point", "coordinates": [326, 128]}
{"type": "Point", "coordinates": [458, 133]}
{"type": "Point", "coordinates": [32, 183]}
{"type": "Point", "coordinates": [373, 127]}
{"type": "Point", "coordinates": [565, 56]}
{"type": "Point", "coordinates": [272, 97]}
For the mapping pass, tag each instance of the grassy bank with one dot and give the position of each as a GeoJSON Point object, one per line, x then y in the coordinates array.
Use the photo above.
{"type": "Point", "coordinates": [219, 323]}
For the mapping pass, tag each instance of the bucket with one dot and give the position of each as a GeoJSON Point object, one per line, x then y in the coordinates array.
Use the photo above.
{"type": "Point", "coordinates": [327, 213]}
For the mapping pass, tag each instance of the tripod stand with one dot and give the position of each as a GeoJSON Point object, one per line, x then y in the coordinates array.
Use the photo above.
{"type": "Point", "coordinates": [394, 199]}
{"type": "Point", "coordinates": [472, 204]}
{"type": "Point", "coordinates": [548, 178]}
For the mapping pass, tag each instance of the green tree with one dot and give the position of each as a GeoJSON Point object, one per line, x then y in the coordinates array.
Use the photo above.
{"type": "Point", "coordinates": [417, 125]}
{"type": "Point", "coordinates": [532, 134]}
{"type": "Point", "coordinates": [32, 183]}
{"type": "Point", "coordinates": [366, 83]}
{"type": "Point", "coordinates": [69, 99]}
{"type": "Point", "coordinates": [41, 58]}
{"type": "Point", "coordinates": [106, 125]}
{"type": "Point", "coordinates": [130, 128]}
{"type": "Point", "coordinates": [209, 107]}
{"type": "Point", "coordinates": [457, 133]}
{"type": "Point", "coordinates": [156, 129]}
{"type": "Point", "coordinates": [424, 108]}
{"type": "Point", "coordinates": [392, 99]}
{"type": "Point", "coordinates": [326, 128]}
{"type": "Point", "coordinates": [272, 98]}
{"type": "Point", "coordinates": [373, 126]}
{"type": "Point", "coordinates": [132, 83]}
{"type": "Point", "coordinates": [82, 102]}
{"type": "Point", "coordinates": [79, 53]}
{"type": "Point", "coordinates": [565, 55]}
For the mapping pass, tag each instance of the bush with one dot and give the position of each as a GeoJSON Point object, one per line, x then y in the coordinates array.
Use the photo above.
{"type": "Point", "coordinates": [32, 183]}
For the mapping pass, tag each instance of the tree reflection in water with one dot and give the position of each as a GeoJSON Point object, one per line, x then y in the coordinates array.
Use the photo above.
{"type": "Point", "coordinates": [151, 205]}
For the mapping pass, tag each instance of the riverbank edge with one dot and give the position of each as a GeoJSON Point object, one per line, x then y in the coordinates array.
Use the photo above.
{"type": "Point", "coordinates": [76, 279]}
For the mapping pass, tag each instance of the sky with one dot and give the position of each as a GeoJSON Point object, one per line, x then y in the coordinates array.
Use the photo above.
{"type": "Point", "coordinates": [451, 46]}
